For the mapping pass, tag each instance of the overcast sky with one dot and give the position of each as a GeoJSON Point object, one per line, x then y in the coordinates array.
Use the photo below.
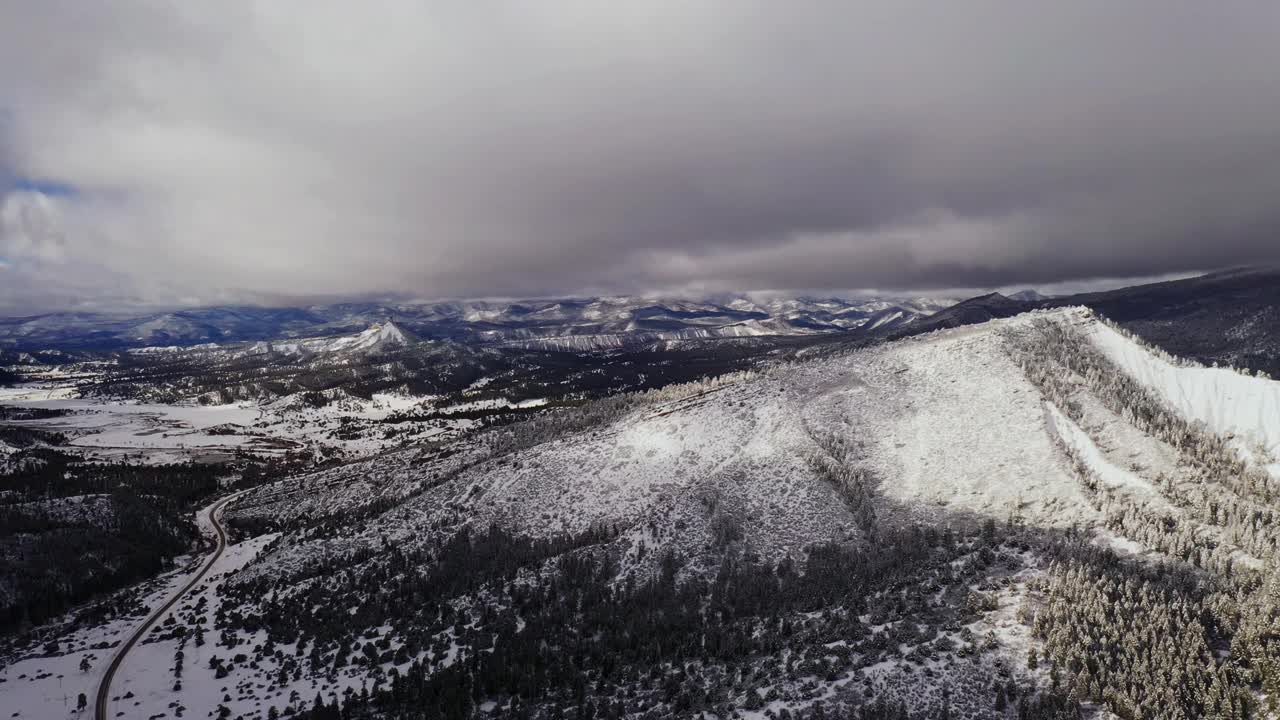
{"type": "Point", "coordinates": [220, 151]}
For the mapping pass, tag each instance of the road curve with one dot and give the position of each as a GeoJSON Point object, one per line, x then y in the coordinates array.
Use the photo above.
{"type": "Point", "coordinates": [104, 687]}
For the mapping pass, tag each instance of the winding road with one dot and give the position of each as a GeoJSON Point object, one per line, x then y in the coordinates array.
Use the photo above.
{"type": "Point", "coordinates": [104, 687]}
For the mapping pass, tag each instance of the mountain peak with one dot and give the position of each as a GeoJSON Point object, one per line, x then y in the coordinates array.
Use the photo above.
{"type": "Point", "coordinates": [992, 298]}
{"type": "Point", "coordinates": [382, 335]}
{"type": "Point", "coordinates": [1028, 295]}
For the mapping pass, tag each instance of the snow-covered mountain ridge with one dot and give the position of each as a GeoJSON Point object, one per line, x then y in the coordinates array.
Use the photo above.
{"type": "Point", "coordinates": [377, 337]}
{"type": "Point", "coordinates": [943, 429]}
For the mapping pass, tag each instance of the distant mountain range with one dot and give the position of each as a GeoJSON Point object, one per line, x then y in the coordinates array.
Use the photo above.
{"type": "Point", "coordinates": [569, 324]}
{"type": "Point", "coordinates": [1228, 317]}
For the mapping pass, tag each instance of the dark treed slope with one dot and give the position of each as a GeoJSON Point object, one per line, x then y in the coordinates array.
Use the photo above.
{"type": "Point", "coordinates": [1230, 318]}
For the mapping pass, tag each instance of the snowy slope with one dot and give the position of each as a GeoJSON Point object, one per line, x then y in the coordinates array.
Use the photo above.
{"type": "Point", "coordinates": [952, 423]}
{"type": "Point", "coordinates": [947, 421]}
{"type": "Point", "coordinates": [376, 338]}
{"type": "Point", "coordinates": [1227, 401]}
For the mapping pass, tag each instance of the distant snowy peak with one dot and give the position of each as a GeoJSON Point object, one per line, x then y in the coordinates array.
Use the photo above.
{"type": "Point", "coordinates": [1028, 295]}
{"type": "Point", "coordinates": [379, 337]}
{"type": "Point", "coordinates": [889, 318]}
{"type": "Point", "coordinates": [928, 305]}
{"type": "Point", "coordinates": [742, 304]}
{"type": "Point", "coordinates": [383, 335]}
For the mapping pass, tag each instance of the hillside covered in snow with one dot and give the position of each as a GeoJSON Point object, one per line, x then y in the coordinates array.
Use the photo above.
{"type": "Point", "coordinates": [1020, 518]}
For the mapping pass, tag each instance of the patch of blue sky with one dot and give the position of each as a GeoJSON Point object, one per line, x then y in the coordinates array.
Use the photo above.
{"type": "Point", "coordinates": [44, 186]}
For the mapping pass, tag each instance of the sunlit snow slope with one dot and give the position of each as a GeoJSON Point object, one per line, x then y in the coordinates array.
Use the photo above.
{"type": "Point", "coordinates": [946, 427]}
{"type": "Point", "coordinates": [1227, 401]}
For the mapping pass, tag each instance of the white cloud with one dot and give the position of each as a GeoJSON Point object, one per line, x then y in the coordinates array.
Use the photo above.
{"type": "Point", "coordinates": [31, 228]}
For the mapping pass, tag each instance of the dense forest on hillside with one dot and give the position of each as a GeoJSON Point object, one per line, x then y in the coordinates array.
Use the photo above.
{"type": "Point", "coordinates": [73, 530]}
{"type": "Point", "coordinates": [543, 629]}
{"type": "Point", "coordinates": [70, 531]}
{"type": "Point", "coordinates": [442, 369]}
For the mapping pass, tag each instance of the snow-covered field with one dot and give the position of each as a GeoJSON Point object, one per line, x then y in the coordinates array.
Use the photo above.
{"type": "Point", "coordinates": [118, 430]}
{"type": "Point", "coordinates": [107, 429]}
{"type": "Point", "coordinates": [37, 392]}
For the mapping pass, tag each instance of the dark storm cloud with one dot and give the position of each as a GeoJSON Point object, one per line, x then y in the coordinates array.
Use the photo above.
{"type": "Point", "coordinates": [8, 165]}
{"type": "Point", "coordinates": [241, 148]}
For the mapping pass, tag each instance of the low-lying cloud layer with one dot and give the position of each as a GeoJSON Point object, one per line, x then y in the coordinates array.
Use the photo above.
{"type": "Point", "coordinates": [214, 151]}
